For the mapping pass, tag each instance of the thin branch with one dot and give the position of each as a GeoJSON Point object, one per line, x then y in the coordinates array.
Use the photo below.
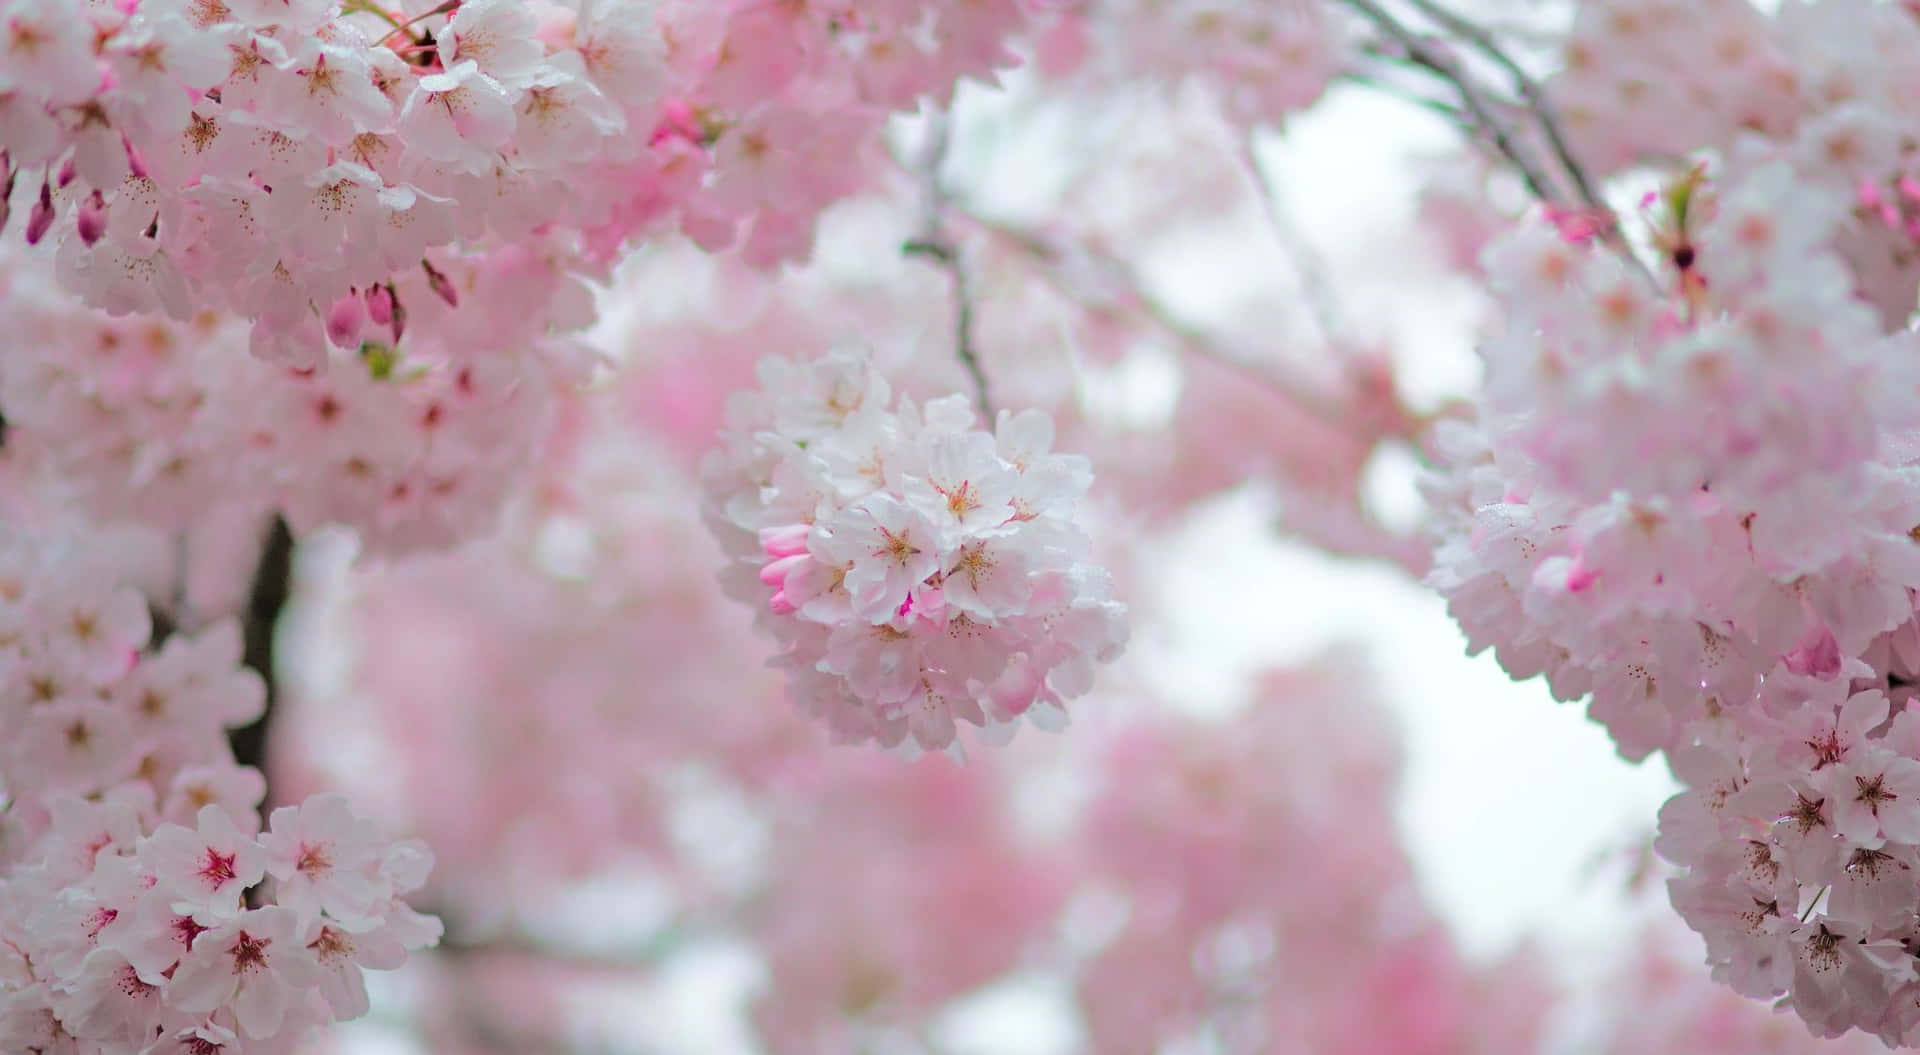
{"type": "Point", "coordinates": [1532, 98]}
{"type": "Point", "coordinates": [932, 244]}
{"type": "Point", "coordinates": [1307, 262]}
{"type": "Point", "coordinates": [1439, 106]}
{"type": "Point", "coordinates": [1190, 339]}
{"type": "Point", "coordinates": [948, 259]}
{"type": "Point", "coordinates": [1421, 53]}
{"type": "Point", "coordinates": [1529, 89]}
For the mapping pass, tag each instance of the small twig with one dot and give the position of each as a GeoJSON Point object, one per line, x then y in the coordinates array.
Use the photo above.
{"type": "Point", "coordinates": [1307, 262]}
{"type": "Point", "coordinates": [1439, 106]}
{"type": "Point", "coordinates": [1529, 90]}
{"type": "Point", "coordinates": [1190, 339]}
{"type": "Point", "coordinates": [1804, 916]}
{"type": "Point", "coordinates": [1533, 98]}
{"type": "Point", "coordinates": [1421, 53]}
{"type": "Point", "coordinates": [932, 245]}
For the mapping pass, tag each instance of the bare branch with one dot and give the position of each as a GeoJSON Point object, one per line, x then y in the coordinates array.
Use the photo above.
{"type": "Point", "coordinates": [933, 245]}
{"type": "Point", "coordinates": [1137, 301]}
{"type": "Point", "coordinates": [1445, 109]}
{"type": "Point", "coordinates": [1308, 264]}
{"type": "Point", "coordinates": [1529, 90]}
{"type": "Point", "coordinates": [1422, 53]}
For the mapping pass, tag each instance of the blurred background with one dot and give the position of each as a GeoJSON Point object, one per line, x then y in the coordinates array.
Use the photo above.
{"type": "Point", "coordinates": [1296, 817]}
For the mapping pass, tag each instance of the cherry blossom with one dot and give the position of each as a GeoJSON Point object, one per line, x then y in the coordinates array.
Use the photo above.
{"type": "Point", "coordinates": [854, 564]}
{"type": "Point", "coordinates": [386, 382]}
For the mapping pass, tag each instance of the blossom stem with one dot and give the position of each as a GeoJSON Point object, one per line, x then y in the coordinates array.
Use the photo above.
{"type": "Point", "coordinates": [1811, 905]}
{"type": "Point", "coordinates": [1308, 264]}
{"type": "Point", "coordinates": [1422, 54]}
{"type": "Point", "coordinates": [932, 245]}
{"type": "Point", "coordinates": [1532, 97]}
{"type": "Point", "coordinates": [1529, 89]}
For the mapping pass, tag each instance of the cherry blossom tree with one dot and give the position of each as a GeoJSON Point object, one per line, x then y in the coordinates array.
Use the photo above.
{"type": "Point", "coordinates": [502, 501]}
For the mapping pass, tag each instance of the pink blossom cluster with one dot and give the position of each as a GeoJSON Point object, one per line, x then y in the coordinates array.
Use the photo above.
{"type": "Point", "coordinates": [286, 161]}
{"type": "Point", "coordinates": [488, 669]}
{"type": "Point", "coordinates": [146, 418]}
{"type": "Point", "coordinates": [1656, 1003]}
{"type": "Point", "coordinates": [915, 569]}
{"type": "Point", "coordinates": [782, 106]}
{"type": "Point", "coordinates": [1698, 505]}
{"type": "Point", "coordinates": [1200, 828]}
{"type": "Point", "coordinates": [298, 163]}
{"type": "Point", "coordinates": [1824, 86]}
{"type": "Point", "coordinates": [1648, 80]}
{"type": "Point", "coordinates": [135, 916]}
{"type": "Point", "coordinates": [939, 846]}
{"type": "Point", "coordinates": [1263, 61]}
{"type": "Point", "coordinates": [132, 935]}
{"type": "Point", "coordinates": [86, 710]}
{"type": "Point", "coordinates": [1656, 78]}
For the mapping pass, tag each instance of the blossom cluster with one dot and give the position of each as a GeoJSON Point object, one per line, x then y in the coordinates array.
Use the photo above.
{"type": "Point", "coordinates": [1200, 825]}
{"type": "Point", "coordinates": [297, 164]}
{"type": "Point", "coordinates": [285, 161]}
{"type": "Point", "coordinates": [1824, 85]}
{"type": "Point", "coordinates": [915, 569]}
{"type": "Point", "coordinates": [135, 911]}
{"type": "Point", "coordinates": [160, 421]}
{"type": "Point", "coordinates": [1695, 503]}
{"type": "Point", "coordinates": [1263, 61]}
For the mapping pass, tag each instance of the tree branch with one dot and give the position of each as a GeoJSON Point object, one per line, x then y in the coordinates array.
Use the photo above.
{"type": "Point", "coordinates": [272, 584]}
{"type": "Point", "coordinates": [1529, 90]}
{"type": "Point", "coordinates": [1308, 264]}
{"type": "Point", "coordinates": [1136, 300]}
{"type": "Point", "coordinates": [933, 245]}
{"type": "Point", "coordinates": [1421, 53]}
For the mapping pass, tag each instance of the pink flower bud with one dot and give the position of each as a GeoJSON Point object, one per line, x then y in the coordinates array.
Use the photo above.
{"type": "Point", "coordinates": [67, 172]}
{"type": "Point", "coordinates": [345, 320]}
{"type": "Point", "coordinates": [784, 541]}
{"type": "Point", "coordinates": [380, 305]}
{"type": "Point", "coordinates": [780, 605]}
{"type": "Point", "coordinates": [41, 219]}
{"type": "Point", "coordinates": [775, 573]}
{"type": "Point", "coordinates": [92, 221]}
{"type": "Point", "coordinates": [441, 285]}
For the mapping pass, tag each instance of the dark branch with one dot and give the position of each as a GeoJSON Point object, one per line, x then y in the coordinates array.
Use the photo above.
{"type": "Point", "coordinates": [272, 583]}
{"type": "Point", "coordinates": [1438, 60]}
{"type": "Point", "coordinates": [932, 245]}
{"type": "Point", "coordinates": [1422, 53]}
{"type": "Point", "coordinates": [948, 259]}
{"type": "Point", "coordinates": [1529, 90]}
